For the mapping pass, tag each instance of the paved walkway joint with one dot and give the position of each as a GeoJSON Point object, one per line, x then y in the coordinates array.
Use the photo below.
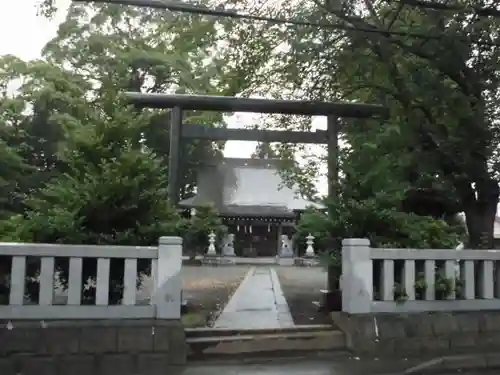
{"type": "Point", "coordinates": [258, 303]}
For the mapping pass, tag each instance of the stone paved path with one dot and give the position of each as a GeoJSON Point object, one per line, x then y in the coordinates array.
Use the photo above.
{"type": "Point", "coordinates": [258, 303]}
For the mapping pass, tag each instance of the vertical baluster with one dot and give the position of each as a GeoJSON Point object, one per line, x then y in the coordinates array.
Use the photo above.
{"type": "Point", "coordinates": [154, 278]}
{"type": "Point", "coordinates": [102, 287]}
{"type": "Point", "coordinates": [387, 280]}
{"type": "Point", "coordinates": [409, 279]}
{"type": "Point", "coordinates": [75, 281]}
{"type": "Point", "coordinates": [486, 281]}
{"type": "Point", "coordinates": [450, 273]}
{"type": "Point", "coordinates": [458, 278]}
{"type": "Point", "coordinates": [17, 280]}
{"type": "Point", "coordinates": [47, 281]}
{"type": "Point", "coordinates": [469, 279]}
{"type": "Point", "coordinates": [430, 280]}
{"type": "Point", "coordinates": [378, 283]}
{"type": "Point", "coordinates": [130, 282]}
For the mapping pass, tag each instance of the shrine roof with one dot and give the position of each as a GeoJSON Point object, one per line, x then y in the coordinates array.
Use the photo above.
{"type": "Point", "coordinates": [247, 187]}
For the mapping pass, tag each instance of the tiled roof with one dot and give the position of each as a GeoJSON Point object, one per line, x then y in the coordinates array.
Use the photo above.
{"type": "Point", "coordinates": [246, 187]}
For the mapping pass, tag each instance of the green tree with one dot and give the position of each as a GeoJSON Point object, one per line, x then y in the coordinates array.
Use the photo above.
{"type": "Point", "coordinates": [12, 170]}
{"type": "Point", "coordinates": [264, 150]}
{"type": "Point", "coordinates": [441, 91]}
{"type": "Point", "coordinates": [49, 102]}
{"type": "Point", "coordinates": [451, 141]}
{"type": "Point", "coordinates": [195, 230]}
{"type": "Point", "coordinates": [99, 52]}
{"type": "Point", "coordinates": [424, 148]}
{"type": "Point", "coordinates": [123, 48]}
{"type": "Point", "coordinates": [113, 192]}
{"type": "Point", "coordinates": [47, 8]}
{"type": "Point", "coordinates": [320, 226]}
{"type": "Point", "coordinates": [102, 165]}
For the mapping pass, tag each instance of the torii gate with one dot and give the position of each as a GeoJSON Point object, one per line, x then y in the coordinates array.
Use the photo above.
{"type": "Point", "coordinates": [178, 131]}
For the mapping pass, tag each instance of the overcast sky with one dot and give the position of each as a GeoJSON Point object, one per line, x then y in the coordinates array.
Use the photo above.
{"type": "Point", "coordinates": [23, 33]}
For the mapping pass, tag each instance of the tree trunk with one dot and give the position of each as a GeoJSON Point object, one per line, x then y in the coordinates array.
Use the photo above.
{"type": "Point", "coordinates": [480, 216]}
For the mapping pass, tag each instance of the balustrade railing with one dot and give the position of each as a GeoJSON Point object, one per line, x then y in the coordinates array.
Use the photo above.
{"type": "Point", "coordinates": [58, 289]}
{"type": "Point", "coordinates": [412, 280]}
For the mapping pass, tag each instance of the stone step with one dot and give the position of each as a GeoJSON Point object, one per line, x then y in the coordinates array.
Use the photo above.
{"type": "Point", "coordinates": [264, 343]}
{"type": "Point", "coordinates": [464, 364]}
{"type": "Point", "coordinates": [218, 332]}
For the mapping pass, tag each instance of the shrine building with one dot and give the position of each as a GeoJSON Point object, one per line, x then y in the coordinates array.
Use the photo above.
{"type": "Point", "coordinates": [255, 204]}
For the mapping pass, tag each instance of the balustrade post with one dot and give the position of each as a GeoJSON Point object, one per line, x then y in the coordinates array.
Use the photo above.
{"type": "Point", "coordinates": [357, 276]}
{"type": "Point", "coordinates": [168, 294]}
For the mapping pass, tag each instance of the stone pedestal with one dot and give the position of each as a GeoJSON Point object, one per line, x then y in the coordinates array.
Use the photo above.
{"type": "Point", "coordinates": [285, 261]}
{"type": "Point", "coordinates": [228, 246]}
{"type": "Point", "coordinates": [286, 248]}
{"type": "Point", "coordinates": [286, 252]}
{"type": "Point", "coordinates": [285, 255]}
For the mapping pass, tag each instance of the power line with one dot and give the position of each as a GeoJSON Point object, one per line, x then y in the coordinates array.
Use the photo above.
{"type": "Point", "coordinates": [176, 6]}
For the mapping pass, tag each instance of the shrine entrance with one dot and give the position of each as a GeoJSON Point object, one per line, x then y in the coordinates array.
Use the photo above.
{"type": "Point", "coordinates": [259, 226]}
{"type": "Point", "coordinates": [334, 111]}
{"type": "Point", "coordinates": [255, 240]}
{"type": "Point", "coordinates": [179, 131]}
{"type": "Point", "coordinates": [260, 239]}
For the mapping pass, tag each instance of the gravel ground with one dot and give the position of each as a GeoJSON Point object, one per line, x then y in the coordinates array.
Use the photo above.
{"type": "Point", "coordinates": [302, 289]}
{"type": "Point", "coordinates": [207, 290]}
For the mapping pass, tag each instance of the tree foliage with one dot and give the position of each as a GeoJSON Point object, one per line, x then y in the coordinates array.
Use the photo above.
{"type": "Point", "coordinates": [67, 120]}
{"type": "Point", "coordinates": [436, 71]}
{"type": "Point", "coordinates": [98, 167]}
{"type": "Point", "coordinates": [449, 143]}
{"type": "Point", "coordinates": [12, 169]}
{"type": "Point", "coordinates": [440, 140]}
{"type": "Point", "coordinates": [317, 224]}
{"type": "Point", "coordinates": [112, 193]}
{"type": "Point", "coordinates": [264, 150]}
{"type": "Point", "coordinates": [195, 230]}
{"type": "Point", "coordinates": [383, 225]}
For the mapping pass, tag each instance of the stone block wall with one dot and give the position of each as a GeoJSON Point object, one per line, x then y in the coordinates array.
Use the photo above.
{"type": "Point", "coordinates": [91, 347]}
{"type": "Point", "coordinates": [434, 334]}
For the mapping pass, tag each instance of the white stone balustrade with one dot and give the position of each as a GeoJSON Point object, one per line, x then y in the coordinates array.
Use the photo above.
{"type": "Point", "coordinates": [161, 289]}
{"type": "Point", "coordinates": [427, 280]}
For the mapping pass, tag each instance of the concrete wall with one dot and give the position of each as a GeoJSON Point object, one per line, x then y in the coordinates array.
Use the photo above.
{"type": "Point", "coordinates": [91, 347]}
{"type": "Point", "coordinates": [424, 334]}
